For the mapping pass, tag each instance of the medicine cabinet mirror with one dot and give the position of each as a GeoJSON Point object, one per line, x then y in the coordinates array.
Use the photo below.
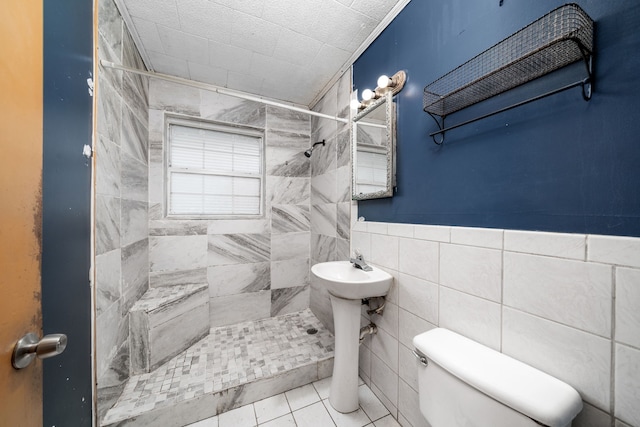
{"type": "Point", "coordinates": [373, 140]}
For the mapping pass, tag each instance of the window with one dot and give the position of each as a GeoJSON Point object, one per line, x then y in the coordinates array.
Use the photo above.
{"type": "Point", "coordinates": [213, 170]}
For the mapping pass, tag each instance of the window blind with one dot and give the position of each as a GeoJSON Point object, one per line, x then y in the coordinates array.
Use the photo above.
{"type": "Point", "coordinates": [213, 172]}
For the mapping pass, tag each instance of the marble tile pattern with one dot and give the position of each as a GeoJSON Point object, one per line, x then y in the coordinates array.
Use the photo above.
{"type": "Point", "coordinates": [235, 308]}
{"type": "Point", "coordinates": [115, 333]}
{"type": "Point", "coordinates": [233, 366]}
{"type": "Point", "coordinates": [324, 218]}
{"type": "Point", "coordinates": [238, 249]}
{"type": "Point", "coordinates": [179, 277]}
{"type": "Point", "coordinates": [546, 299]}
{"type": "Point", "coordinates": [107, 223]}
{"type": "Point", "coordinates": [323, 248]}
{"type": "Point", "coordinates": [122, 245]}
{"type": "Point", "coordinates": [159, 301]}
{"type": "Point", "coordinates": [176, 227]}
{"type": "Point", "coordinates": [157, 324]}
{"type": "Point", "coordinates": [289, 246]}
{"type": "Point", "coordinates": [287, 159]}
{"type": "Point", "coordinates": [330, 188]}
{"type": "Point", "coordinates": [235, 279]}
{"type": "Point", "coordinates": [288, 273]}
{"type": "Point", "coordinates": [324, 188]}
{"type": "Point", "coordinates": [290, 218]}
{"type": "Point", "coordinates": [108, 163]}
{"type": "Point", "coordinates": [239, 254]}
{"type": "Point", "coordinates": [289, 300]}
{"type": "Point", "coordinates": [283, 190]}
{"type": "Point", "coordinates": [135, 280]}
{"type": "Point", "coordinates": [108, 275]}
{"type": "Point", "coordinates": [134, 221]}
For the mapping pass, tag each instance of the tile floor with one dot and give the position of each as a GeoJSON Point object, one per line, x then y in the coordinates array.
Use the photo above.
{"type": "Point", "coordinates": [306, 406]}
{"type": "Point", "coordinates": [230, 356]}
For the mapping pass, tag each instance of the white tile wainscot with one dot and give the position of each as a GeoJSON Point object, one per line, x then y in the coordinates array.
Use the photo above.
{"type": "Point", "coordinates": [564, 303]}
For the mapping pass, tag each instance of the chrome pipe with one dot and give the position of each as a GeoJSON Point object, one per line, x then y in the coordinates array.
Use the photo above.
{"type": "Point", "coordinates": [370, 329]}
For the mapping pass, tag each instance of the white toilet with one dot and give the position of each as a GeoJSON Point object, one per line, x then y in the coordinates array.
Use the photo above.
{"type": "Point", "coordinates": [463, 383]}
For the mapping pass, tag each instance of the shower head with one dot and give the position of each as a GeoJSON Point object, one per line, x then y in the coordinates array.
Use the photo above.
{"type": "Point", "coordinates": [310, 150]}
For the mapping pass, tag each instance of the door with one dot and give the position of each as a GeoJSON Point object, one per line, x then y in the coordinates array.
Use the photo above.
{"type": "Point", "coordinates": [20, 205]}
{"type": "Point", "coordinates": [45, 120]}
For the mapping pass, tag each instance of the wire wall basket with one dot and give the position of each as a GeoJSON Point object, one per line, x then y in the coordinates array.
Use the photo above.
{"type": "Point", "coordinates": [559, 38]}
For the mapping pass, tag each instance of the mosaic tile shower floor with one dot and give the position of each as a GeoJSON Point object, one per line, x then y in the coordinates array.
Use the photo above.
{"type": "Point", "coordinates": [228, 357]}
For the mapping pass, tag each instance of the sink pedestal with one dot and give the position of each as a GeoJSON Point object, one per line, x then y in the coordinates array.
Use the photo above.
{"type": "Point", "coordinates": [347, 286]}
{"type": "Point", "coordinates": [343, 394]}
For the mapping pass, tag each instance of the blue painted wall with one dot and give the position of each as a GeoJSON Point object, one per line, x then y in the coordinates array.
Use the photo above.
{"type": "Point", "coordinates": [66, 210]}
{"type": "Point", "coordinates": [559, 164]}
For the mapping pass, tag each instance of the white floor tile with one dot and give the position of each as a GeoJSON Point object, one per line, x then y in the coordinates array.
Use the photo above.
{"type": "Point", "coordinates": [271, 408]}
{"type": "Point", "coordinates": [302, 396]}
{"type": "Point", "coordinates": [387, 421]}
{"type": "Point", "coordinates": [243, 416]}
{"type": "Point", "coordinates": [309, 410]}
{"type": "Point", "coordinates": [352, 419]}
{"type": "Point", "coordinates": [209, 422]}
{"type": "Point", "coordinates": [286, 421]}
{"type": "Point", "coordinates": [371, 404]}
{"type": "Point", "coordinates": [315, 415]}
{"type": "Point", "coordinates": [322, 387]}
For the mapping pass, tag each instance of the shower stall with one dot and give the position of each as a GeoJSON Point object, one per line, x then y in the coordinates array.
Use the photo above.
{"type": "Point", "coordinates": [198, 315]}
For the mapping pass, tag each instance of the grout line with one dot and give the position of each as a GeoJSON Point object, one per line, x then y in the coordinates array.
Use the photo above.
{"type": "Point", "coordinates": [255, 416]}
{"type": "Point", "coordinates": [586, 247]}
{"type": "Point", "coordinates": [439, 257]}
{"type": "Point", "coordinates": [324, 405]}
{"type": "Point", "coordinates": [612, 368]}
{"type": "Point", "coordinates": [501, 326]}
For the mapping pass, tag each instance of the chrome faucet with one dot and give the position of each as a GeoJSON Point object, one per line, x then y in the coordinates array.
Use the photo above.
{"type": "Point", "coordinates": [359, 262]}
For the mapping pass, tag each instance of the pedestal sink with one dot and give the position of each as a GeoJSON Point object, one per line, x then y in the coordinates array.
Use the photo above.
{"type": "Point", "coordinates": [347, 286]}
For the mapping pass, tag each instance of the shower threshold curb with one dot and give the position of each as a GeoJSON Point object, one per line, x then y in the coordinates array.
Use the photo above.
{"type": "Point", "coordinates": [204, 406]}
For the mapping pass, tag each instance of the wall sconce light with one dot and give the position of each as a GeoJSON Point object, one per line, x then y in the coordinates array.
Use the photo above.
{"type": "Point", "coordinates": [391, 82]}
{"type": "Point", "coordinates": [394, 84]}
{"type": "Point", "coordinates": [368, 95]}
{"type": "Point", "coordinates": [384, 81]}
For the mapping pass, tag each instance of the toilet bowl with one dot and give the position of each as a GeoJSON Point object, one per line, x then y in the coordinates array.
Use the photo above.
{"type": "Point", "coordinates": [463, 383]}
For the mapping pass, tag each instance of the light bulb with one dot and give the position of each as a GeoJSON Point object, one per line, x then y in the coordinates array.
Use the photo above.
{"type": "Point", "coordinates": [367, 94]}
{"type": "Point", "coordinates": [383, 81]}
{"type": "Point", "coordinates": [355, 104]}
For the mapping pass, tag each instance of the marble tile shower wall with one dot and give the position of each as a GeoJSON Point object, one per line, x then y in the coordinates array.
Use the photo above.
{"type": "Point", "coordinates": [254, 268]}
{"type": "Point", "coordinates": [567, 304]}
{"type": "Point", "coordinates": [330, 189]}
{"type": "Point", "coordinates": [121, 200]}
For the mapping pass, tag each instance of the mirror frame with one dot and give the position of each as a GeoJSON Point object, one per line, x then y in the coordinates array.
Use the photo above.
{"type": "Point", "coordinates": [390, 112]}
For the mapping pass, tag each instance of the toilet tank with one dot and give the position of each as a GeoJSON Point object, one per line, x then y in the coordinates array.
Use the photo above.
{"type": "Point", "coordinates": [467, 384]}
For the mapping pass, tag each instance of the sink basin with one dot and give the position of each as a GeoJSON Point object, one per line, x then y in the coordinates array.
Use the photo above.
{"type": "Point", "coordinates": [343, 280]}
{"type": "Point", "coordinates": [347, 285]}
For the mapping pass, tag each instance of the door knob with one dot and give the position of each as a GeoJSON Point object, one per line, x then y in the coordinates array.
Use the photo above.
{"type": "Point", "coordinates": [28, 347]}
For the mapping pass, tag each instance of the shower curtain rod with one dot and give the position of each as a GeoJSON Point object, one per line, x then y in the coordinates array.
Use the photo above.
{"type": "Point", "coordinates": [220, 90]}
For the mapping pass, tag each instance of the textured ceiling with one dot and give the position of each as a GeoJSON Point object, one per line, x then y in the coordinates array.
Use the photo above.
{"type": "Point", "coordinates": [288, 50]}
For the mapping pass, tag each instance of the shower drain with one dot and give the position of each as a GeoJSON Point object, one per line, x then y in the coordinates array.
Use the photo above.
{"type": "Point", "coordinates": [312, 331]}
